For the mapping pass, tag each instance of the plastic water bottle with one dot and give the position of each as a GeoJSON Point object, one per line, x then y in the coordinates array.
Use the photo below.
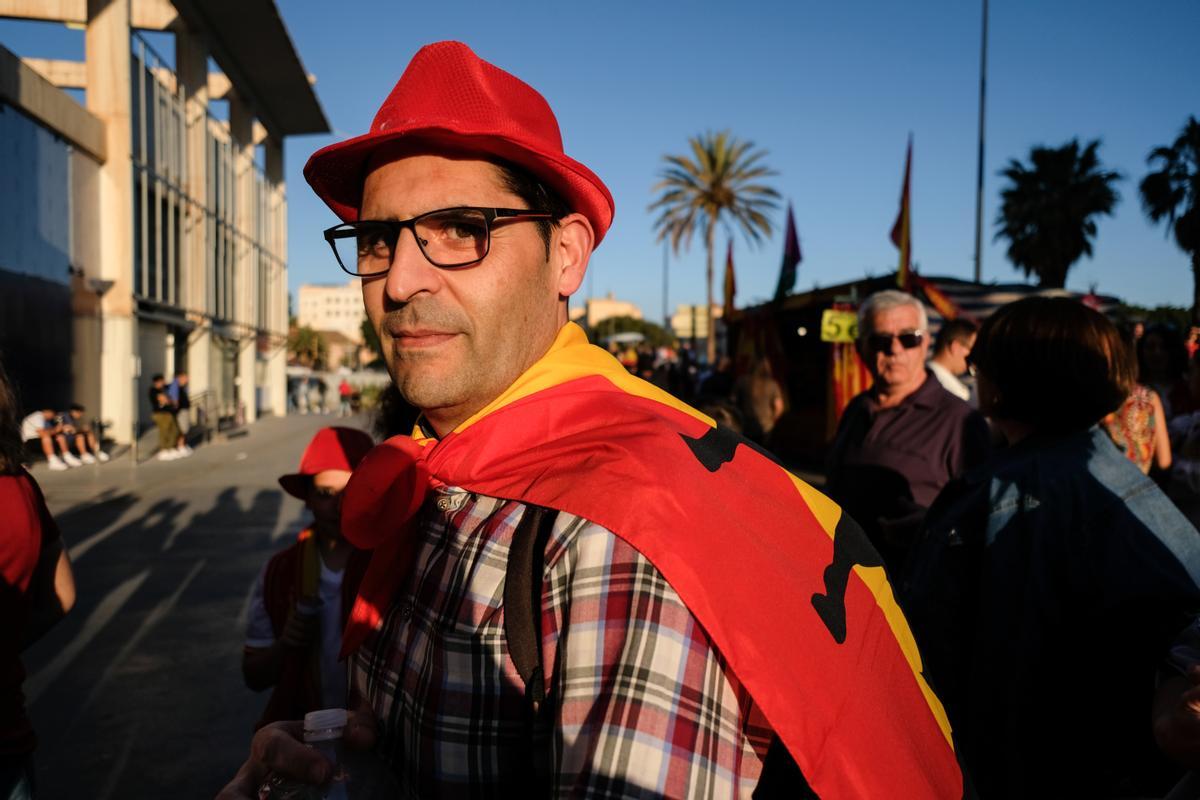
{"type": "Point", "coordinates": [323, 733]}
{"type": "Point", "coordinates": [354, 775]}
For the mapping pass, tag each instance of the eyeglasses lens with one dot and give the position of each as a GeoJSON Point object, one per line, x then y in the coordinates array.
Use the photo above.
{"type": "Point", "coordinates": [451, 238]}
{"type": "Point", "coordinates": [457, 236]}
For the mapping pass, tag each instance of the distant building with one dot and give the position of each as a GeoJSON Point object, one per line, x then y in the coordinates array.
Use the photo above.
{"type": "Point", "coordinates": [144, 229]}
{"type": "Point", "coordinates": [339, 308]}
{"type": "Point", "coordinates": [691, 323]}
{"type": "Point", "coordinates": [595, 310]}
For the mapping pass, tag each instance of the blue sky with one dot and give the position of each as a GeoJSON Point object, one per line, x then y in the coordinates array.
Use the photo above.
{"type": "Point", "coordinates": [829, 90]}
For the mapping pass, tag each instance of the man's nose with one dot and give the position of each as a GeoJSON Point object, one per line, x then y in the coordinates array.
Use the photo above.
{"type": "Point", "coordinates": [410, 273]}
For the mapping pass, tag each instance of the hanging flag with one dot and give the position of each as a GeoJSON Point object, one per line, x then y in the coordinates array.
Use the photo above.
{"type": "Point", "coordinates": [791, 258]}
{"type": "Point", "coordinates": [902, 230]}
{"type": "Point", "coordinates": [730, 282]}
{"type": "Point", "coordinates": [936, 297]}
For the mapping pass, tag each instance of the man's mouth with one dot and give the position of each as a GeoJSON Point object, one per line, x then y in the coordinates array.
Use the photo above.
{"type": "Point", "coordinates": [420, 337]}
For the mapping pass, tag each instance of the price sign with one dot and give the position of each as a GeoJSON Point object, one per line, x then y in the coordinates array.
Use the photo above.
{"type": "Point", "coordinates": [839, 326]}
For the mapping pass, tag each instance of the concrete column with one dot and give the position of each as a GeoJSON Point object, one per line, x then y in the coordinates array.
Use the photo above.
{"type": "Point", "coordinates": [109, 97]}
{"type": "Point", "coordinates": [241, 130]}
{"type": "Point", "coordinates": [277, 318]}
{"type": "Point", "coordinates": [191, 62]}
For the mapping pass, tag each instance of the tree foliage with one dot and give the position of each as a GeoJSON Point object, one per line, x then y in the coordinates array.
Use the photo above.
{"type": "Point", "coordinates": [1171, 195]}
{"type": "Point", "coordinates": [1048, 209]}
{"type": "Point", "coordinates": [721, 181]}
{"type": "Point", "coordinates": [307, 347]}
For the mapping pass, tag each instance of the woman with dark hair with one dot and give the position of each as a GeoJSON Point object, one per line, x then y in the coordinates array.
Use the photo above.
{"type": "Point", "coordinates": [1051, 581]}
{"type": "Point", "coordinates": [37, 589]}
{"type": "Point", "coordinates": [1162, 361]}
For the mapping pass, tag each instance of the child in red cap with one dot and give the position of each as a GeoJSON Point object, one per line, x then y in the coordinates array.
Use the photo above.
{"type": "Point", "coordinates": [305, 592]}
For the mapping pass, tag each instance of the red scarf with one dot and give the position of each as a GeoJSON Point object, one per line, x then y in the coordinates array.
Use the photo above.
{"type": "Point", "coordinates": [817, 640]}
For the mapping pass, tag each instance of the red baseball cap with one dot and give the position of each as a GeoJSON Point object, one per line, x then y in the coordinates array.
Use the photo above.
{"type": "Point", "coordinates": [330, 448]}
{"type": "Point", "coordinates": [450, 97]}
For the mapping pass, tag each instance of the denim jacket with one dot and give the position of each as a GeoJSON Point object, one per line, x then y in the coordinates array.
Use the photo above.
{"type": "Point", "coordinates": [1044, 593]}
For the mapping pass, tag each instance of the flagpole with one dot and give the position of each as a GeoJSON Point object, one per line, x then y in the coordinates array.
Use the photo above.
{"type": "Point", "coordinates": [979, 164]}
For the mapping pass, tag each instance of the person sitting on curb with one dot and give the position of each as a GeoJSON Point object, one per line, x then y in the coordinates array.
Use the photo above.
{"type": "Point", "coordinates": [45, 428]}
{"type": "Point", "coordinates": [78, 434]}
{"type": "Point", "coordinates": [304, 593]}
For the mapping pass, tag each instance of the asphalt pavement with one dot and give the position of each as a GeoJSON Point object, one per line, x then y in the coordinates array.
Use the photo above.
{"type": "Point", "coordinates": [138, 692]}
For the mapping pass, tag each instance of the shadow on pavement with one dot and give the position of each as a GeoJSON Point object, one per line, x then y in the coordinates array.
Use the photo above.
{"type": "Point", "coordinates": [138, 693]}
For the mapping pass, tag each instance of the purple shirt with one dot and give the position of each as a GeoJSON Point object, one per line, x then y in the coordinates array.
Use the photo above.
{"type": "Point", "coordinates": [887, 465]}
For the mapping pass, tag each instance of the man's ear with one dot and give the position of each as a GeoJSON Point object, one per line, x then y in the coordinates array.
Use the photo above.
{"type": "Point", "coordinates": [571, 248]}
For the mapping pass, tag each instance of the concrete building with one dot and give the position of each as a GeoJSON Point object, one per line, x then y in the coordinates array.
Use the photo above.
{"type": "Point", "coordinates": [597, 309]}
{"type": "Point", "coordinates": [690, 322]}
{"type": "Point", "coordinates": [329, 308]}
{"type": "Point", "coordinates": [144, 229]}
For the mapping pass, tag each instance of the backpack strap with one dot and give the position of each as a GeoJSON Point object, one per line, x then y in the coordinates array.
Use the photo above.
{"type": "Point", "coordinates": [523, 599]}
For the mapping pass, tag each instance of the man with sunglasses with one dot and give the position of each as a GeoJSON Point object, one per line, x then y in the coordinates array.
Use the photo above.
{"type": "Point", "coordinates": [565, 594]}
{"type": "Point", "coordinates": [902, 440]}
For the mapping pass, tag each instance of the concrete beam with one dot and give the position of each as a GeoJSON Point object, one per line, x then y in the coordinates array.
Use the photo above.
{"type": "Point", "coordinates": [219, 86]}
{"type": "Point", "coordinates": [24, 88]}
{"type": "Point", "coordinates": [147, 15]}
{"type": "Point", "coordinates": [63, 74]}
{"type": "Point", "coordinates": [69, 11]}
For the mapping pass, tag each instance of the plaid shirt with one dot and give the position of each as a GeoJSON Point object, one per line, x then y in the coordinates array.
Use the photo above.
{"type": "Point", "coordinates": [638, 701]}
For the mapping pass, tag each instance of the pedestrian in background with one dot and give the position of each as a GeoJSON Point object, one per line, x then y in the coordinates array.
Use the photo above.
{"type": "Point", "coordinates": [162, 411]}
{"type": "Point", "coordinates": [951, 349]}
{"type": "Point", "coordinates": [1162, 366]}
{"type": "Point", "coordinates": [1050, 582]}
{"type": "Point", "coordinates": [303, 595]}
{"type": "Point", "coordinates": [39, 589]}
{"type": "Point", "coordinates": [902, 440]}
{"type": "Point", "coordinates": [178, 392]}
{"type": "Point", "coordinates": [1139, 427]}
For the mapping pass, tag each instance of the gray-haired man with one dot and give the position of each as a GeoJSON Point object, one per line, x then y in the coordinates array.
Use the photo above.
{"type": "Point", "coordinates": [906, 437]}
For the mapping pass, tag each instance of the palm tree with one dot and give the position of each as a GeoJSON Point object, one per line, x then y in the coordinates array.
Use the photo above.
{"type": "Point", "coordinates": [1173, 194]}
{"type": "Point", "coordinates": [1049, 208]}
{"type": "Point", "coordinates": [717, 182]}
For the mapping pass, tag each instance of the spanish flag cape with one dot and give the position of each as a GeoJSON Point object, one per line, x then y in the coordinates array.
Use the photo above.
{"type": "Point", "coordinates": [784, 585]}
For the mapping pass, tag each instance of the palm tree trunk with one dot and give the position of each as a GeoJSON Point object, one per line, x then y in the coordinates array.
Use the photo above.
{"type": "Point", "coordinates": [1196, 287]}
{"type": "Point", "coordinates": [711, 343]}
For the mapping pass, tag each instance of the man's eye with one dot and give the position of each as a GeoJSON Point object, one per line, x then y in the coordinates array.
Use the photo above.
{"type": "Point", "coordinates": [372, 242]}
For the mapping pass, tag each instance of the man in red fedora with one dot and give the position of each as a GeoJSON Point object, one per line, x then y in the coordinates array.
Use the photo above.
{"type": "Point", "coordinates": [305, 592]}
{"type": "Point", "coordinates": [579, 585]}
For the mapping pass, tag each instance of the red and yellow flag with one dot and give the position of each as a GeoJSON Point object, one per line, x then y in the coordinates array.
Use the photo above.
{"type": "Point", "coordinates": [902, 230]}
{"type": "Point", "coordinates": [787, 588]}
{"type": "Point", "coordinates": [936, 297]}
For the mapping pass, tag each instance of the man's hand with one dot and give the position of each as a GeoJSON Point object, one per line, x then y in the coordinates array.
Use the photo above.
{"type": "Point", "coordinates": [300, 630]}
{"type": "Point", "coordinates": [278, 748]}
{"type": "Point", "coordinates": [1177, 717]}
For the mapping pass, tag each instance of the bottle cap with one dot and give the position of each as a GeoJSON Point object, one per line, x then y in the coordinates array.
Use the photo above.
{"type": "Point", "coordinates": [325, 719]}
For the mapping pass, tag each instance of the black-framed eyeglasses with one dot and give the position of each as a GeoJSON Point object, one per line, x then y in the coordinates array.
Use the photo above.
{"type": "Point", "coordinates": [882, 342]}
{"type": "Point", "coordinates": [448, 238]}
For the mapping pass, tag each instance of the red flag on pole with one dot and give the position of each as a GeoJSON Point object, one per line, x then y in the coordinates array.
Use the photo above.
{"type": "Point", "coordinates": [730, 281]}
{"type": "Point", "coordinates": [791, 258]}
{"type": "Point", "coordinates": [902, 230]}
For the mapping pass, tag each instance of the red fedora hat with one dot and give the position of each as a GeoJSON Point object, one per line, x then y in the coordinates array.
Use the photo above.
{"type": "Point", "coordinates": [450, 97]}
{"type": "Point", "coordinates": [330, 448]}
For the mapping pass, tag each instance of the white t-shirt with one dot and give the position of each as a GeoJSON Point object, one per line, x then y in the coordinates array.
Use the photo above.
{"type": "Point", "coordinates": [31, 425]}
{"type": "Point", "coordinates": [259, 633]}
{"type": "Point", "coordinates": [950, 381]}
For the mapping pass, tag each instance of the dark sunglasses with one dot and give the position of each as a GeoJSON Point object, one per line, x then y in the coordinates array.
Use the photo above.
{"type": "Point", "coordinates": [882, 342]}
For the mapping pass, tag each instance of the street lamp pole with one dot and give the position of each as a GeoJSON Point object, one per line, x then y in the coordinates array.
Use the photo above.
{"type": "Point", "coordinates": [979, 164]}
